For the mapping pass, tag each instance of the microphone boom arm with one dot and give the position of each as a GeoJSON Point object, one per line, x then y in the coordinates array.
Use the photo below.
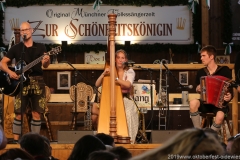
{"type": "Point", "coordinates": [81, 76]}
{"type": "Point", "coordinates": [172, 75]}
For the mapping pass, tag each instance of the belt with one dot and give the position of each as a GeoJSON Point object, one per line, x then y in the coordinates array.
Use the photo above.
{"type": "Point", "coordinates": [36, 77]}
{"type": "Point", "coordinates": [127, 95]}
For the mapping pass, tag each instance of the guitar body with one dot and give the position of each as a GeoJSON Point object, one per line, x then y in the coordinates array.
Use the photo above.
{"type": "Point", "coordinates": [11, 86]}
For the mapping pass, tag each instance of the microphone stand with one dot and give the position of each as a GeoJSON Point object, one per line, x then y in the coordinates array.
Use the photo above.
{"type": "Point", "coordinates": [151, 90]}
{"type": "Point", "coordinates": [21, 83]}
{"type": "Point", "coordinates": [172, 75]}
{"type": "Point", "coordinates": [2, 107]}
{"type": "Point", "coordinates": [75, 113]}
{"type": "Point", "coordinates": [82, 77]}
{"type": "Point", "coordinates": [167, 73]}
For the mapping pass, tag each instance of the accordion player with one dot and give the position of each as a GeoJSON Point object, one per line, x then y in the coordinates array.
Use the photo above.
{"type": "Point", "coordinates": [213, 89]}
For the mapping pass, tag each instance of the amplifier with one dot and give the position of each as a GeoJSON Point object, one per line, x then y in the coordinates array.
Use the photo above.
{"type": "Point", "coordinates": [160, 136]}
{"type": "Point", "coordinates": [72, 136]}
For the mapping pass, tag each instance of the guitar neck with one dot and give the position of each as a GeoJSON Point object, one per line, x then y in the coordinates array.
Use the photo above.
{"type": "Point", "coordinates": [33, 63]}
{"type": "Point", "coordinates": [36, 61]}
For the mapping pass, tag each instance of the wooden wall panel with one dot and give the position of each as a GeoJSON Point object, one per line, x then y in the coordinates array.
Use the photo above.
{"type": "Point", "coordinates": [216, 18]}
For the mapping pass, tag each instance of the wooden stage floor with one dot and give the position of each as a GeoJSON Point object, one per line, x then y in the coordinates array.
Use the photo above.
{"type": "Point", "coordinates": [62, 151]}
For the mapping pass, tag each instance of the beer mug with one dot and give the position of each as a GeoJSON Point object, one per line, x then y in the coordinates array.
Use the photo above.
{"type": "Point", "coordinates": [185, 97]}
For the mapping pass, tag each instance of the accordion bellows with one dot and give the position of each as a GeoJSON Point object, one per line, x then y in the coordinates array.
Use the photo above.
{"type": "Point", "coordinates": [213, 89]}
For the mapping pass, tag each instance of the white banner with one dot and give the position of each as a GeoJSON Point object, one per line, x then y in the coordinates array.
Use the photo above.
{"type": "Point", "coordinates": [142, 95]}
{"type": "Point", "coordinates": [82, 24]}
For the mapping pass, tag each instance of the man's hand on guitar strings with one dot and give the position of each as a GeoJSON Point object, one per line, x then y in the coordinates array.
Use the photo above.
{"type": "Point", "coordinates": [13, 75]}
{"type": "Point", "coordinates": [45, 61]}
{"type": "Point", "coordinates": [46, 58]}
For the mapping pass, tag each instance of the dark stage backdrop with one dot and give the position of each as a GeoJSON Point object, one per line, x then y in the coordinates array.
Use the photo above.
{"type": "Point", "coordinates": [235, 5]}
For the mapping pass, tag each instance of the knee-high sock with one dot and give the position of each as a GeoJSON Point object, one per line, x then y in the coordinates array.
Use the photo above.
{"type": "Point", "coordinates": [195, 119]}
{"type": "Point", "coordinates": [216, 127]}
{"type": "Point", "coordinates": [36, 126]}
{"type": "Point", "coordinates": [17, 126]}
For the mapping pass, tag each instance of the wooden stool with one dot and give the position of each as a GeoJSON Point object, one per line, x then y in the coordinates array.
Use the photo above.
{"type": "Point", "coordinates": [207, 120]}
{"type": "Point", "coordinates": [81, 100]}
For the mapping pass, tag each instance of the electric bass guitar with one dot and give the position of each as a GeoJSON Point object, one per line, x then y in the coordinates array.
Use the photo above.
{"type": "Point", "coordinates": [11, 86]}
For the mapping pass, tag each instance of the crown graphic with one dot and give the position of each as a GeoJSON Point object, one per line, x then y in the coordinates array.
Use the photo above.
{"type": "Point", "coordinates": [14, 23]}
{"type": "Point", "coordinates": [181, 23]}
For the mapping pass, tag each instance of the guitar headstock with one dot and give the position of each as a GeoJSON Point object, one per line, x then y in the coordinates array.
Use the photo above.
{"type": "Point", "coordinates": [55, 50]}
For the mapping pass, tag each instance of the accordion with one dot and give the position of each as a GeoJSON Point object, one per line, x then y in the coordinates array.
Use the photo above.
{"type": "Point", "coordinates": [213, 89]}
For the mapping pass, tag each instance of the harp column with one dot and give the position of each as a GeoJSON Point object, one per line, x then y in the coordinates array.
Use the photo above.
{"type": "Point", "coordinates": [112, 32]}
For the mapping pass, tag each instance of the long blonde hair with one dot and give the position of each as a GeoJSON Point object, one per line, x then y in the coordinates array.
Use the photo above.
{"type": "Point", "coordinates": [126, 56]}
{"type": "Point", "coordinates": [185, 143]}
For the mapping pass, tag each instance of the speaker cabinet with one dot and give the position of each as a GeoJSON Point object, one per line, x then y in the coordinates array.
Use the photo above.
{"type": "Point", "coordinates": [158, 136]}
{"type": "Point", "coordinates": [72, 136]}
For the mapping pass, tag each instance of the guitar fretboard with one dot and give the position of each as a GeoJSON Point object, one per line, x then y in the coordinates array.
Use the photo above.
{"type": "Point", "coordinates": [36, 61]}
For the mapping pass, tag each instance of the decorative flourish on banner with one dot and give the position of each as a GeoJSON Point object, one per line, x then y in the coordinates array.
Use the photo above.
{"type": "Point", "coordinates": [2, 5]}
{"type": "Point", "coordinates": [97, 4]}
{"type": "Point", "coordinates": [208, 3]}
{"type": "Point", "coordinates": [199, 47]}
{"type": "Point", "coordinates": [192, 5]}
{"type": "Point", "coordinates": [228, 49]}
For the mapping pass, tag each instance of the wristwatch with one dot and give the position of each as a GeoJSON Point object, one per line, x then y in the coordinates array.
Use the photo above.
{"type": "Point", "coordinates": [116, 79]}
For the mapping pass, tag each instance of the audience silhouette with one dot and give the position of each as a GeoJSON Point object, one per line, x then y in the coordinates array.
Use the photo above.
{"type": "Point", "coordinates": [84, 146]}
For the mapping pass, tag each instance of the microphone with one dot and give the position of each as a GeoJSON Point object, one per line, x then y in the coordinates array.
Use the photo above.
{"type": "Point", "coordinates": [64, 62]}
{"type": "Point", "coordinates": [186, 87]}
{"type": "Point", "coordinates": [128, 63]}
{"type": "Point", "coordinates": [24, 37]}
{"type": "Point", "coordinates": [164, 61]}
{"type": "Point", "coordinates": [137, 66]}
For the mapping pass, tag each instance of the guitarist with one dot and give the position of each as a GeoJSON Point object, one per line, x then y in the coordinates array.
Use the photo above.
{"type": "Point", "coordinates": [33, 93]}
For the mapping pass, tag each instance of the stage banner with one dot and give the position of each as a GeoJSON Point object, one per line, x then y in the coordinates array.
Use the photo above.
{"type": "Point", "coordinates": [83, 24]}
{"type": "Point", "coordinates": [142, 94]}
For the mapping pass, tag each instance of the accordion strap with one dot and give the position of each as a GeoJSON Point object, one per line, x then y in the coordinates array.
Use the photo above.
{"type": "Point", "coordinates": [208, 73]}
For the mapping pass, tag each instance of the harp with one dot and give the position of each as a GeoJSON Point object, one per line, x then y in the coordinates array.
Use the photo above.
{"type": "Point", "coordinates": [112, 117]}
